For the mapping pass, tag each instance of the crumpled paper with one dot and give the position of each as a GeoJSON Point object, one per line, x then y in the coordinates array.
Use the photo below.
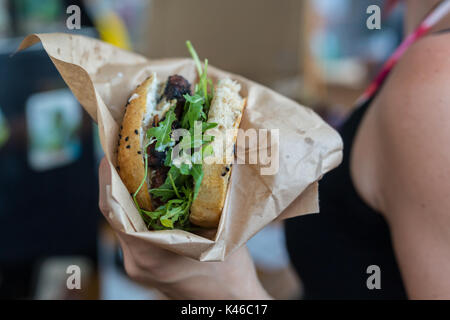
{"type": "Point", "coordinates": [102, 78]}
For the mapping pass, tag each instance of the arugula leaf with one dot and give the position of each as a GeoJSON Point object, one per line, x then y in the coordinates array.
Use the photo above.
{"type": "Point", "coordinates": [204, 83]}
{"type": "Point", "coordinates": [207, 150]}
{"type": "Point", "coordinates": [197, 174]}
{"type": "Point", "coordinates": [208, 125]}
{"type": "Point", "coordinates": [168, 160]}
{"type": "Point", "coordinates": [166, 222]}
{"type": "Point", "coordinates": [195, 57]}
{"type": "Point", "coordinates": [175, 210]}
{"type": "Point", "coordinates": [202, 87]}
{"type": "Point", "coordinates": [175, 174]}
{"type": "Point", "coordinates": [163, 194]}
{"type": "Point", "coordinates": [166, 192]}
{"type": "Point", "coordinates": [162, 133]}
{"type": "Point", "coordinates": [185, 169]}
{"type": "Point", "coordinates": [194, 111]}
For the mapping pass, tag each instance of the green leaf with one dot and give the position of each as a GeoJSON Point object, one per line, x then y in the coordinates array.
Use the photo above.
{"type": "Point", "coordinates": [185, 169]}
{"type": "Point", "coordinates": [202, 87]}
{"type": "Point", "coordinates": [194, 56]}
{"type": "Point", "coordinates": [194, 111]}
{"type": "Point", "coordinates": [207, 138]}
{"type": "Point", "coordinates": [208, 125]}
{"type": "Point", "coordinates": [168, 160]}
{"type": "Point", "coordinates": [204, 83]}
{"type": "Point", "coordinates": [151, 214]}
{"type": "Point", "coordinates": [174, 174]}
{"type": "Point", "coordinates": [196, 135]}
{"type": "Point", "coordinates": [197, 174]}
{"type": "Point", "coordinates": [163, 194]}
{"type": "Point", "coordinates": [174, 187]}
{"type": "Point", "coordinates": [207, 150]}
{"type": "Point", "coordinates": [166, 222]}
{"type": "Point", "coordinates": [162, 133]}
{"type": "Point", "coordinates": [166, 192]}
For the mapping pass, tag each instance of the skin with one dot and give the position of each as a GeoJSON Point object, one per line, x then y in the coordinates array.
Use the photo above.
{"type": "Point", "coordinates": [399, 165]}
{"type": "Point", "coordinates": [399, 162]}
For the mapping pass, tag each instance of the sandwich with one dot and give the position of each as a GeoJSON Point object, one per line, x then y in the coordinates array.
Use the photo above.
{"type": "Point", "coordinates": [176, 147]}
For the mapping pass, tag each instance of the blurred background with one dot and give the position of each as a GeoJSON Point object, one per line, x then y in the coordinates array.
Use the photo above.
{"type": "Point", "coordinates": [318, 52]}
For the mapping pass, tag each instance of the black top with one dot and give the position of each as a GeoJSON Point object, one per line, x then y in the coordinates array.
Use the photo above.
{"type": "Point", "coordinates": [332, 250]}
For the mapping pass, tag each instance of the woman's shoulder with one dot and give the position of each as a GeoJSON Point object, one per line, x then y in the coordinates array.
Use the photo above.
{"type": "Point", "coordinates": [412, 117]}
{"type": "Point", "coordinates": [421, 76]}
{"type": "Point", "coordinates": [417, 93]}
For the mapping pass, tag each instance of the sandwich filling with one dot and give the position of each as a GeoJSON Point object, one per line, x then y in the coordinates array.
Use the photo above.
{"type": "Point", "coordinates": [174, 181]}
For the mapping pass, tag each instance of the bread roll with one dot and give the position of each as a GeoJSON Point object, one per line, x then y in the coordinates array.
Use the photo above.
{"type": "Point", "coordinates": [140, 110]}
{"type": "Point", "coordinates": [226, 110]}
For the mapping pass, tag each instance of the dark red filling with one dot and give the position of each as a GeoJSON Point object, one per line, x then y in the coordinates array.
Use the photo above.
{"type": "Point", "coordinates": [176, 88]}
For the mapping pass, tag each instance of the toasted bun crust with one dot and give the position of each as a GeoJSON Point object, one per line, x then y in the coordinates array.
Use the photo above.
{"type": "Point", "coordinates": [130, 151]}
{"type": "Point", "coordinates": [226, 110]}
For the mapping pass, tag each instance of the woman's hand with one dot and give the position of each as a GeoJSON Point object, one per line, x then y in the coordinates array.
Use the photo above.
{"type": "Point", "coordinates": [180, 277]}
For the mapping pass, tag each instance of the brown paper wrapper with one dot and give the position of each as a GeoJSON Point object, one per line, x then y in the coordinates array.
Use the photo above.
{"type": "Point", "coordinates": [102, 78]}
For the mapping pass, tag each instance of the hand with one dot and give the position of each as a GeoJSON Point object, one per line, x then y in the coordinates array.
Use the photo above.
{"type": "Point", "coordinates": [180, 277]}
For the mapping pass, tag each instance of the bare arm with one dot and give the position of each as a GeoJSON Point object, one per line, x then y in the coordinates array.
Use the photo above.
{"type": "Point", "coordinates": [413, 166]}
